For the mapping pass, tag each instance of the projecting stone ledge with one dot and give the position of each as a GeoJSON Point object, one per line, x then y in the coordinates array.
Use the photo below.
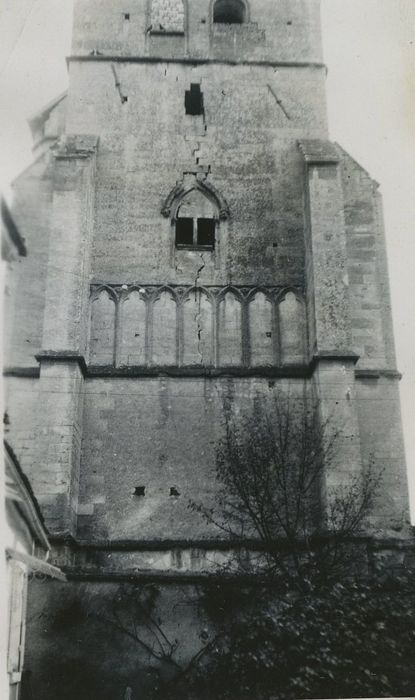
{"type": "Point", "coordinates": [75, 146]}
{"type": "Point", "coordinates": [319, 151]}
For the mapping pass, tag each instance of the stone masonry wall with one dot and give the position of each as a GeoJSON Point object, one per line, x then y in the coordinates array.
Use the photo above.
{"type": "Point", "coordinates": [370, 304]}
{"type": "Point", "coordinates": [45, 429]}
{"type": "Point", "coordinates": [148, 143]}
{"type": "Point", "coordinates": [157, 434]}
{"type": "Point", "coordinates": [167, 15]}
{"type": "Point", "coordinates": [26, 279]}
{"type": "Point", "coordinates": [288, 31]}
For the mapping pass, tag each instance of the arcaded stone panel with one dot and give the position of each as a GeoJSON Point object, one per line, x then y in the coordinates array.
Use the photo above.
{"type": "Point", "coordinates": [102, 330]}
{"type": "Point", "coordinates": [25, 286]}
{"type": "Point", "coordinates": [292, 329]}
{"type": "Point", "coordinates": [148, 143]}
{"type": "Point", "coordinates": [382, 443]}
{"type": "Point", "coordinates": [230, 331]}
{"type": "Point", "coordinates": [132, 325]}
{"type": "Point", "coordinates": [156, 434]}
{"type": "Point", "coordinates": [142, 326]}
{"type": "Point", "coordinates": [262, 331]}
{"type": "Point", "coordinates": [288, 31]}
{"type": "Point", "coordinates": [164, 330]}
{"type": "Point", "coordinates": [198, 329]}
{"type": "Point", "coordinates": [371, 318]}
{"type": "Point", "coordinates": [327, 263]}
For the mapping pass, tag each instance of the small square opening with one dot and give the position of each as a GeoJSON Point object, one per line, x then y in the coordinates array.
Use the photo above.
{"type": "Point", "coordinates": [193, 100]}
{"type": "Point", "coordinates": [184, 231]}
{"type": "Point", "coordinates": [126, 16]}
{"type": "Point", "coordinates": [206, 232]}
{"type": "Point", "coordinates": [139, 491]}
{"type": "Point", "coordinates": [174, 491]}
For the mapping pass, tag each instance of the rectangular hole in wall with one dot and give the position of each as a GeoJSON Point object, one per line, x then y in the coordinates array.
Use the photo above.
{"type": "Point", "coordinates": [174, 491]}
{"type": "Point", "coordinates": [126, 16]}
{"type": "Point", "coordinates": [184, 231]}
{"type": "Point", "coordinates": [193, 100]}
{"type": "Point", "coordinates": [206, 232]}
{"type": "Point", "coordinates": [139, 491]}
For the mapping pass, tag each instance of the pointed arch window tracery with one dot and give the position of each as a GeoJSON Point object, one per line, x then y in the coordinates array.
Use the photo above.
{"type": "Point", "coordinates": [195, 210]}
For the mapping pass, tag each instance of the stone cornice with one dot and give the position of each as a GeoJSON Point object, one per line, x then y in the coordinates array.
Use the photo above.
{"type": "Point", "coordinates": [195, 61]}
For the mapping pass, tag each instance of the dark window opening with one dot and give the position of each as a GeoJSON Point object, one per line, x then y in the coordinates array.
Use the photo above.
{"type": "Point", "coordinates": [193, 100]}
{"type": "Point", "coordinates": [184, 231]}
{"type": "Point", "coordinates": [174, 491]}
{"type": "Point", "coordinates": [206, 232]}
{"type": "Point", "coordinates": [229, 12]}
{"type": "Point", "coordinates": [139, 491]}
{"type": "Point", "coordinates": [127, 15]}
{"type": "Point", "coordinates": [195, 233]}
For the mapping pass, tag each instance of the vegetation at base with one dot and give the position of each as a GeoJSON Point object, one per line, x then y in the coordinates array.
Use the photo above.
{"type": "Point", "coordinates": [274, 470]}
{"type": "Point", "coordinates": [352, 639]}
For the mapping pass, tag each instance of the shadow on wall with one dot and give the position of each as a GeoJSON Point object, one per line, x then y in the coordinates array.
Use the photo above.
{"type": "Point", "coordinates": [107, 641]}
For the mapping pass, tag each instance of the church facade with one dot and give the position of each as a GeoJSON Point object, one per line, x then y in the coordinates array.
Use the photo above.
{"type": "Point", "coordinates": [195, 238]}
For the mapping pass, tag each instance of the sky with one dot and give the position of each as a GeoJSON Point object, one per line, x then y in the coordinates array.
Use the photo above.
{"type": "Point", "coordinates": [369, 48]}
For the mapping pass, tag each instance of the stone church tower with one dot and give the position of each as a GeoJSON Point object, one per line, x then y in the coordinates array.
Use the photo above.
{"type": "Point", "coordinates": [194, 237]}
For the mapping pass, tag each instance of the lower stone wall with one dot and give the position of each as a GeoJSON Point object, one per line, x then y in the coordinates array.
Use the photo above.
{"type": "Point", "coordinates": [120, 635]}
{"type": "Point", "coordinates": [81, 638]}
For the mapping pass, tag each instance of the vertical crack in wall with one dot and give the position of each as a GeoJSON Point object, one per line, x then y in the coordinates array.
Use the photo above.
{"type": "Point", "coordinates": [198, 315]}
{"type": "Point", "coordinates": [197, 129]}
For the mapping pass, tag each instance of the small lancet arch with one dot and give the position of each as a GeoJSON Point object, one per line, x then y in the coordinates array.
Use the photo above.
{"type": "Point", "coordinates": [261, 329]}
{"type": "Point", "coordinates": [229, 328]}
{"type": "Point", "coordinates": [164, 328]}
{"type": "Point", "coordinates": [197, 314]}
{"type": "Point", "coordinates": [132, 333]}
{"type": "Point", "coordinates": [292, 326]}
{"type": "Point", "coordinates": [102, 326]}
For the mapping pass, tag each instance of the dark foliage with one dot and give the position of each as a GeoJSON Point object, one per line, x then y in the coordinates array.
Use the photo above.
{"type": "Point", "coordinates": [350, 640]}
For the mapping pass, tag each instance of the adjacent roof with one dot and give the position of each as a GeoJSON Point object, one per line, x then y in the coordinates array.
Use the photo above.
{"type": "Point", "coordinates": [19, 490]}
{"type": "Point", "coordinates": [42, 115]}
{"type": "Point", "coordinates": [10, 235]}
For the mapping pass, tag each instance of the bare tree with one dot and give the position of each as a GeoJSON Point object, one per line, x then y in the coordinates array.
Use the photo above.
{"type": "Point", "coordinates": [271, 469]}
{"type": "Point", "coordinates": [133, 613]}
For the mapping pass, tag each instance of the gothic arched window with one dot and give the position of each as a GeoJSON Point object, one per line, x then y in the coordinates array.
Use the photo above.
{"type": "Point", "coordinates": [229, 12]}
{"type": "Point", "coordinates": [195, 221]}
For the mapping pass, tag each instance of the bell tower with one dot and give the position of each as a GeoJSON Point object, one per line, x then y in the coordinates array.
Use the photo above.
{"type": "Point", "coordinates": [198, 255]}
{"type": "Point", "coordinates": [194, 239]}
